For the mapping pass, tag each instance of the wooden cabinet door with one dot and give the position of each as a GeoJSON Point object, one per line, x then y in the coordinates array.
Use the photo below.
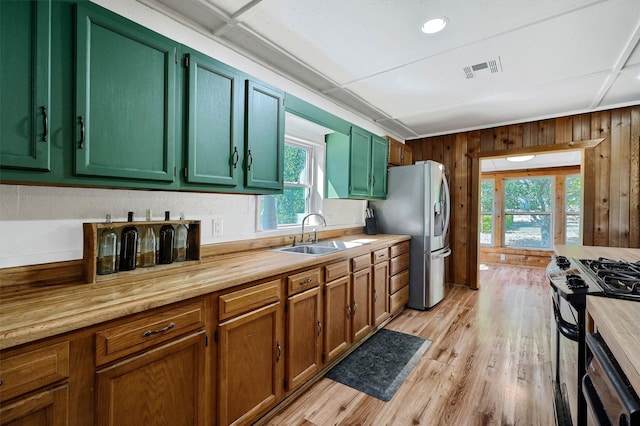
{"type": "Point", "coordinates": [25, 68]}
{"type": "Point", "coordinates": [379, 156]}
{"type": "Point", "coordinates": [395, 152]}
{"type": "Point", "coordinates": [125, 98]}
{"type": "Point", "coordinates": [214, 121]}
{"type": "Point", "coordinates": [45, 408]}
{"type": "Point", "coordinates": [361, 303]}
{"type": "Point", "coordinates": [304, 337]}
{"type": "Point", "coordinates": [264, 137]}
{"type": "Point", "coordinates": [164, 386]}
{"type": "Point", "coordinates": [380, 292]}
{"type": "Point", "coordinates": [337, 318]}
{"type": "Point", "coordinates": [360, 163]}
{"type": "Point", "coordinates": [250, 365]}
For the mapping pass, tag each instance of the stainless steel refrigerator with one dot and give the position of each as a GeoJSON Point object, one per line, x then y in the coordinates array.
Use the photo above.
{"type": "Point", "coordinates": [418, 204]}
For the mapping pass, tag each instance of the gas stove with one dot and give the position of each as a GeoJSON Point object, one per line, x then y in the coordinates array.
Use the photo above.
{"type": "Point", "coordinates": [576, 278]}
{"type": "Point", "coordinates": [618, 278]}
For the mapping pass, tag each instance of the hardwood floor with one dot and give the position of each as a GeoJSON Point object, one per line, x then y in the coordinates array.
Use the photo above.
{"type": "Point", "coordinates": [490, 363]}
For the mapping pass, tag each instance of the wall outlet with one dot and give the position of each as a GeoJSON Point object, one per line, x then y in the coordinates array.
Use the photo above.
{"type": "Point", "coordinates": [503, 257]}
{"type": "Point", "coordinates": [217, 227]}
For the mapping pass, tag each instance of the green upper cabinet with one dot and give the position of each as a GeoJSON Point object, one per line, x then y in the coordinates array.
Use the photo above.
{"type": "Point", "coordinates": [25, 75]}
{"type": "Point", "coordinates": [356, 165]}
{"type": "Point", "coordinates": [213, 121]}
{"type": "Point", "coordinates": [379, 158]}
{"type": "Point", "coordinates": [264, 137]}
{"type": "Point", "coordinates": [125, 98]}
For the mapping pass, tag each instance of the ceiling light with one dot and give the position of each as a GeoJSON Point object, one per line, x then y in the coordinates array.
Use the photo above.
{"type": "Point", "coordinates": [521, 158]}
{"type": "Point", "coordinates": [434, 25]}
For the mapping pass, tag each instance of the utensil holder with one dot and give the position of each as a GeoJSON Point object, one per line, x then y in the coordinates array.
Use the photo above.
{"type": "Point", "coordinates": [370, 226]}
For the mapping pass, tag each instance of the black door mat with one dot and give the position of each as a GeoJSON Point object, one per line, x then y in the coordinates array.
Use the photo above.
{"type": "Point", "coordinates": [381, 364]}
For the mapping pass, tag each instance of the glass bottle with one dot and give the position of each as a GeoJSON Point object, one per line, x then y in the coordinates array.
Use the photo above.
{"type": "Point", "coordinates": [107, 250]}
{"type": "Point", "coordinates": [148, 244]}
{"type": "Point", "coordinates": [167, 234]}
{"type": "Point", "coordinates": [180, 242]}
{"type": "Point", "coordinates": [128, 245]}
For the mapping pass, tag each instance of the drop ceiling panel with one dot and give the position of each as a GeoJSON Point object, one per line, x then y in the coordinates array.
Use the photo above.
{"type": "Point", "coordinates": [625, 89]}
{"type": "Point", "coordinates": [347, 40]}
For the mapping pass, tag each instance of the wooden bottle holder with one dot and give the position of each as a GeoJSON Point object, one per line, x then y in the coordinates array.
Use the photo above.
{"type": "Point", "coordinates": [91, 234]}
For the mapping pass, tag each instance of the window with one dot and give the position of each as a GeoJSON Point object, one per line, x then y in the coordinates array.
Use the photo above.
{"type": "Point", "coordinates": [487, 188]}
{"type": "Point", "coordinates": [528, 212]}
{"type": "Point", "coordinates": [290, 207]}
{"type": "Point", "coordinates": [573, 212]}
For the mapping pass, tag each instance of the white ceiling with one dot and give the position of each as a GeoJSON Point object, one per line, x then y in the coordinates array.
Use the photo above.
{"type": "Point", "coordinates": [554, 57]}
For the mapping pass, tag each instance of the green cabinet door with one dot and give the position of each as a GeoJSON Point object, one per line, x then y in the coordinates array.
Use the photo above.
{"type": "Point", "coordinates": [25, 72]}
{"type": "Point", "coordinates": [356, 165]}
{"type": "Point", "coordinates": [360, 164]}
{"type": "Point", "coordinates": [214, 122]}
{"type": "Point", "coordinates": [379, 158]}
{"type": "Point", "coordinates": [264, 138]}
{"type": "Point", "coordinates": [125, 98]}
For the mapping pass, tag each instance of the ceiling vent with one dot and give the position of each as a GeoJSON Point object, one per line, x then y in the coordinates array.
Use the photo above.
{"type": "Point", "coordinates": [490, 67]}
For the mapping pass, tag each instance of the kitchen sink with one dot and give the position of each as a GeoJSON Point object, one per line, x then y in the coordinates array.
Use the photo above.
{"type": "Point", "coordinates": [320, 248]}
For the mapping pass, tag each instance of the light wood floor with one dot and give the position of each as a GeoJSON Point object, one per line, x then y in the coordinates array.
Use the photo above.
{"type": "Point", "coordinates": [490, 363]}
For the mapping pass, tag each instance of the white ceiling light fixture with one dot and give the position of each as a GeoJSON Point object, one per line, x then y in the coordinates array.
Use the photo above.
{"type": "Point", "coordinates": [434, 25]}
{"type": "Point", "coordinates": [521, 158]}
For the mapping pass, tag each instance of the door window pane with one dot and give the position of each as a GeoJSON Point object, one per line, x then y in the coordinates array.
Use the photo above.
{"type": "Point", "coordinates": [487, 187]}
{"type": "Point", "coordinates": [528, 209]}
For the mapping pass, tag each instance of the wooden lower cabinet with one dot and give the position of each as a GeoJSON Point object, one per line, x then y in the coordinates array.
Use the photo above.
{"type": "Point", "coordinates": [45, 408]}
{"type": "Point", "coordinates": [380, 292]}
{"type": "Point", "coordinates": [360, 304]}
{"type": "Point", "coordinates": [163, 386]}
{"type": "Point", "coordinates": [337, 318]}
{"type": "Point", "coordinates": [398, 277]}
{"type": "Point", "coordinates": [250, 356]}
{"type": "Point", "coordinates": [304, 337]}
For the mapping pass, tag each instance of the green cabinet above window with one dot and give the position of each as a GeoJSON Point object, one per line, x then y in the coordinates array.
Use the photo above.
{"type": "Point", "coordinates": [356, 165]}
{"type": "Point", "coordinates": [125, 98]}
{"type": "Point", "coordinates": [25, 75]}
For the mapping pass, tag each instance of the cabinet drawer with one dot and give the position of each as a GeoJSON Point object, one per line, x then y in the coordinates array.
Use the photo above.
{"type": "Point", "coordinates": [130, 337]}
{"type": "Point", "coordinates": [398, 264]}
{"type": "Point", "coordinates": [336, 270]}
{"type": "Point", "coordinates": [398, 249]}
{"type": "Point", "coordinates": [380, 255]}
{"type": "Point", "coordinates": [33, 369]}
{"type": "Point", "coordinates": [398, 299]}
{"type": "Point", "coordinates": [360, 262]}
{"type": "Point", "coordinates": [303, 281]}
{"type": "Point", "coordinates": [396, 282]}
{"type": "Point", "coordinates": [248, 299]}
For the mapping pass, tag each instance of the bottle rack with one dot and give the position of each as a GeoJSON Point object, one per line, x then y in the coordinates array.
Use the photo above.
{"type": "Point", "coordinates": [92, 231]}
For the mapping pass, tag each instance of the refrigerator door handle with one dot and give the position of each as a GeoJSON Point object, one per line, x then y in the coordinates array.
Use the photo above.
{"type": "Point", "coordinates": [444, 252]}
{"type": "Point", "coordinates": [447, 216]}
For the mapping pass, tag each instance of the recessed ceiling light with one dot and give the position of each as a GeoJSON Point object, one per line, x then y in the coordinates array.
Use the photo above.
{"type": "Point", "coordinates": [434, 25]}
{"type": "Point", "coordinates": [521, 158]}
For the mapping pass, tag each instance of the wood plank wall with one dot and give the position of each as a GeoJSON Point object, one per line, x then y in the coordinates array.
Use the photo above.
{"type": "Point", "coordinates": [611, 176]}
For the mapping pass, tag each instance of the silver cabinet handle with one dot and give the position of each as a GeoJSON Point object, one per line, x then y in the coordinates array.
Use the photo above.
{"type": "Point", "coordinates": [279, 350]}
{"type": "Point", "coordinates": [319, 328]}
{"type": "Point", "coordinates": [160, 330]}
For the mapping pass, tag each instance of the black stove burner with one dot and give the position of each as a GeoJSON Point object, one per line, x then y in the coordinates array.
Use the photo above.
{"type": "Point", "coordinates": [575, 282]}
{"type": "Point", "coordinates": [616, 276]}
{"type": "Point", "coordinates": [562, 262]}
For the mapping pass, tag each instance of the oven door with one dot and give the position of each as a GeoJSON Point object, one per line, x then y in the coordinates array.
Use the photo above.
{"type": "Point", "coordinates": [610, 398]}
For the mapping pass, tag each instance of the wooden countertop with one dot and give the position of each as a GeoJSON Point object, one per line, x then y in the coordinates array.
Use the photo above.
{"type": "Point", "coordinates": [594, 252]}
{"type": "Point", "coordinates": [30, 314]}
{"type": "Point", "coordinates": [618, 322]}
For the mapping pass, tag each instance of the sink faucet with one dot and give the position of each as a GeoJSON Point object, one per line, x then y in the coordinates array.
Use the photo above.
{"type": "Point", "coordinates": [324, 222]}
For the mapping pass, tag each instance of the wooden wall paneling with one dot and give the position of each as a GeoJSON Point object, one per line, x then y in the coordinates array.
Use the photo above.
{"type": "Point", "coordinates": [564, 129]}
{"type": "Point", "coordinates": [615, 181]}
{"type": "Point", "coordinates": [527, 139]}
{"type": "Point", "coordinates": [581, 127]}
{"type": "Point", "coordinates": [473, 246]}
{"type": "Point", "coordinates": [501, 138]}
{"type": "Point", "coordinates": [589, 195]}
{"type": "Point", "coordinates": [459, 208]}
{"type": "Point", "coordinates": [634, 173]}
{"type": "Point", "coordinates": [600, 125]}
{"type": "Point", "coordinates": [547, 135]}
{"type": "Point", "coordinates": [515, 135]}
{"type": "Point", "coordinates": [486, 140]}
{"type": "Point", "coordinates": [437, 149]}
{"type": "Point", "coordinates": [559, 213]}
{"type": "Point", "coordinates": [621, 137]}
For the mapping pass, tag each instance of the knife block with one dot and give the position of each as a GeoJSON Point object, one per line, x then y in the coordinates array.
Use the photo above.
{"type": "Point", "coordinates": [370, 226]}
